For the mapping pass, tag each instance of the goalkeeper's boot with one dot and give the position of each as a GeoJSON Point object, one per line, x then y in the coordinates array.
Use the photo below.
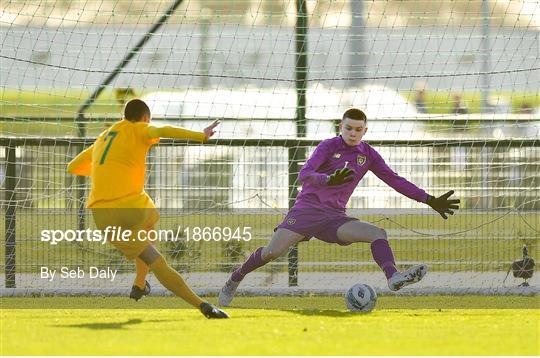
{"type": "Point", "coordinates": [407, 277]}
{"type": "Point", "coordinates": [137, 293]}
{"type": "Point", "coordinates": [211, 311]}
{"type": "Point", "coordinates": [226, 294]}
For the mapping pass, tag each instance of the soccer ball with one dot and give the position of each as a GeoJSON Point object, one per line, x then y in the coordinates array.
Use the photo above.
{"type": "Point", "coordinates": [361, 298]}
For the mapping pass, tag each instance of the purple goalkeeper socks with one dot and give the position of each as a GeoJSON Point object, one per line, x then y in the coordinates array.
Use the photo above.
{"type": "Point", "coordinates": [382, 253]}
{"type": "Point", "coordinates": [253, 262]}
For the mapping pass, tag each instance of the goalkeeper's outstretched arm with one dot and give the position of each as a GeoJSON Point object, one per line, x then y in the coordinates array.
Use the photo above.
{"type": "Point", "coordinates": [182, 133]}
{"type": "Point", "coordinates": [82, 163]}
{"type": "Point", "coordinates": [443, 205]}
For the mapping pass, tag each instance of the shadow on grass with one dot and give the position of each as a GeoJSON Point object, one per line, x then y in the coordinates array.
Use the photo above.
{"type": "Point", "coordinates": [110, 325]}
{"type": "Point", "coordinates": [326, 313]}
{"type": "Point", "coordinates": [302, 311]}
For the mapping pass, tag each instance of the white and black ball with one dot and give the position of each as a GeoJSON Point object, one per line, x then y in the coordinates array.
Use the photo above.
{"type": "Point", "coordinates": [361, 298]}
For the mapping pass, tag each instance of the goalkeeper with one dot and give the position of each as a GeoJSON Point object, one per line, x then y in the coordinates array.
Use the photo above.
{"type": "Point", "coordinates": [329, 178]}
{"type": "Point", "coordinates": [116, 162]}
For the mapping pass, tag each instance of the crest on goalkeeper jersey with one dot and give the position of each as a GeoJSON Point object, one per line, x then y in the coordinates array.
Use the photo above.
{"type": "Point", "coordinates": [361, 159]}
{"type": "Point", "coordinates": [291, 221]}
{"type": "Point", "coordinates": [337, 155]}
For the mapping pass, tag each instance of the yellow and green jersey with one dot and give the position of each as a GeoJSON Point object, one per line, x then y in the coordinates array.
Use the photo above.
{"type": "Point", "coordinates": [116, 161]}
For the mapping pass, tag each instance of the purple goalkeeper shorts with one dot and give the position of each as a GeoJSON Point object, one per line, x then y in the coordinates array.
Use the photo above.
{"type": "Point", "coordinates": [322, 224]}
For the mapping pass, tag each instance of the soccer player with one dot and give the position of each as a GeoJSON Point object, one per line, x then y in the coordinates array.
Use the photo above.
{"type": "Point", "coordinates": [329, 178]}
{"type": "Point", "coordinates": [116, 163]}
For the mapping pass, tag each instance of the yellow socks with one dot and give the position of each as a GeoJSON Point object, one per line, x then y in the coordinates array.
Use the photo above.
{"type": "Point", "coordinates": [174, 282]}
{"type": "Point", "coordinates": [142, 271]}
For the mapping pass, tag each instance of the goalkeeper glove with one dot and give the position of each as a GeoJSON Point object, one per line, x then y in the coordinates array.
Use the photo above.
{"type": "Point", "coordinates": [340, 176]}
{"type": "Point", "coordinates": [442, 205]}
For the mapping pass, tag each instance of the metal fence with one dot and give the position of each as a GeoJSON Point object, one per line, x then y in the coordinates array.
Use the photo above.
{"type": "Point", "coordinates": [251, 182]}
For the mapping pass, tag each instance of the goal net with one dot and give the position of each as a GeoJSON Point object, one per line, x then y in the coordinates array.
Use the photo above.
{"type": "Point", "coordinates": [451, 91]}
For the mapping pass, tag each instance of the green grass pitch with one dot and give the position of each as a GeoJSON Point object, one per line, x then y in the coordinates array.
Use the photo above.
{"type": "Point", "coordinates": [432, 325]}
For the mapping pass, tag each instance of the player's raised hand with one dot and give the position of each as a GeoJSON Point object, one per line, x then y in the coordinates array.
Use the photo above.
{"type": "Point", "coordinates": [209, 131]}
{"type": "Point", "coordinates": [443, 205]}
{"type": "Point", "coordinates": [340, 176]}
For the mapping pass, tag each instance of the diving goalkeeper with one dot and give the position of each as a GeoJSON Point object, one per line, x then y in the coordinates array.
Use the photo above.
{"type": "Point", "coordinates": [329, 178]}
{"type": "Point", "coordinates": [116, 163]}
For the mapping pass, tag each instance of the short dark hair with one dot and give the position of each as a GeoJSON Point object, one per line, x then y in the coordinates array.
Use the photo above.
{"type": "Point", "coordinates": [355, 114]}
{"type": "Point", "coordinates": [135, 110]}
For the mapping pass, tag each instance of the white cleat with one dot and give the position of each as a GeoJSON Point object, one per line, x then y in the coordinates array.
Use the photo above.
{"type": "Point", "coordinates": [407, 277]}
{"type": "Point", "coordinates": [226, 294]}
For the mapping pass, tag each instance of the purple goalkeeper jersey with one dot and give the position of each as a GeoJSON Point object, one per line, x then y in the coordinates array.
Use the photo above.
{"type": "Point", "coordinates": [332, 154]}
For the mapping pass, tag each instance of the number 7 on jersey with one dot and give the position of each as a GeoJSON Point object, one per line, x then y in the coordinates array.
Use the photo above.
{"type": "Point", "coordinates": [110, 135]}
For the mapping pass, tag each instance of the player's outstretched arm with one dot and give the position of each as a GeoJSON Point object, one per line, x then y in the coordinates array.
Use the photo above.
{"type": "Point", "coordinates": [443, 205]}
{"type": "Point", "coordinates": [82, 163]}
{"type": "Point", "coordinates": [309, 174]}
{"type": "Point", "coordinates": [182, 133]}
